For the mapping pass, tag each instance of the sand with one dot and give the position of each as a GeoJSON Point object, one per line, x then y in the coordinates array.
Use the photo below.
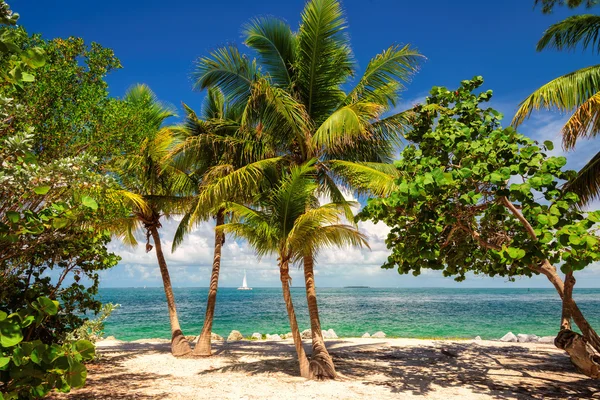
{"type": "Point", "coordinates": [369, 369]}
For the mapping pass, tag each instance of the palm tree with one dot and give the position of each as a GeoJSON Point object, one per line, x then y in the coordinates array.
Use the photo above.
{"type": "Point", "coordinates": [288, 222]}
{"type": "Point", "coordinates": [295, 93]}
{"type": "Point", "coordinates": [216, 153]}
{"type": "Point", "coordinates": [145, 174]}
{"type": "Point", "coordinates": [577, 92]}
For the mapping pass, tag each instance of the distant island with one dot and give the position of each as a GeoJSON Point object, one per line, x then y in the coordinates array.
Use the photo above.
{"type": "Point", "coordinates": [356, 287]}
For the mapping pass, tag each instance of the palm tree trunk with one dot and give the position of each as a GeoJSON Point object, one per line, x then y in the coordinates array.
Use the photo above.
{"type": "Point", "coordinates": [321, 364]}
{"type": "Point", "coordinates": [179, 344]}
{"type": "Point", "coordinates": [203, 347]}
{"type": "Point", "coordinates": [287, 297]}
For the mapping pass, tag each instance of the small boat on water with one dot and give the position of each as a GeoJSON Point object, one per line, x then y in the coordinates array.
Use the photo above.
{"type": "Point", "coordinates": [244, 284]}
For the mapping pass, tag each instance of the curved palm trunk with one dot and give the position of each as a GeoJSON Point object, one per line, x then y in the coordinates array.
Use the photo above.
{"type": "Point", "coordinates": [321, 364]}
{"type": "Point", "coordinates": [203, 347]}
{"type": "Point", "coordinates": [287, 297]}
{"type": "Point", "coordinates": [179, 344]}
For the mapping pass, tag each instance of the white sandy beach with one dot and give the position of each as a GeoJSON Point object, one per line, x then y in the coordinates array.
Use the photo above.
{"type": "Point", "coordinates": [369, 368]}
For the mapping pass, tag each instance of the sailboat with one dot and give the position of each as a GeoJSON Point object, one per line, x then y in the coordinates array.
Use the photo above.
{"type": "Point", "coordinates": [244, 284]}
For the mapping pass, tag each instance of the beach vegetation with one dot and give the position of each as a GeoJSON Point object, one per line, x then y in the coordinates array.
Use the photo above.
{"type": "Point", "coordinates": [30, 369]}
{"type": "Point", "coordinates": [474, 197]}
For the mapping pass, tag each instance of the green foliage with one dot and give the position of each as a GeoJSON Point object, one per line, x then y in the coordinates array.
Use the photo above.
{"type": "Point", "coordinates": [568, 33]}
{"type": "Point", "coordinates": [93, 329]}
{"type": "Point", "coordinates": [16, 64]}
{"type": "Point", "coordinates": [548, 5]}
{"type": "Point", "coordinates": [288, 221]}
{"type": "Point", "coordinates": [30, 369]}
{"type": "Point", "coordinates": [475, 197]}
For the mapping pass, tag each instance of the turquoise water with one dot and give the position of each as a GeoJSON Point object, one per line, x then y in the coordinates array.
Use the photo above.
{"type": "Point", "coordinates": [489, 313]}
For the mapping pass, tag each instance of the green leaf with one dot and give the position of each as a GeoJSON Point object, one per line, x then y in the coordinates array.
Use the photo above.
{"type": "Point", "coordinates": [4, 361]}
{"type": "Point", "coordinates": [549, 145]}
{"type": "Point", "coordinates": [47, 306]}
{"type": "Point", "coordinates": [76, 375]}
{"type": "Point", "coordinates": [27, 77]}
{"type": "Point", "coordinates": [41, 189]}
{"type": "Point", "coordinates": [515, 253]}
{"type": "Point", "coordinates": [574, 240]}
{"type": "Point", "coordinates": [85, 349]}
{"type": "Point", "coordinates": [13, 216]}
{"type": "Point", "coordinates": [89, 202]}
{"type": "Point", "coordinates": [10, 333]}
{"type": "Point", "coordinates": [59, 223]}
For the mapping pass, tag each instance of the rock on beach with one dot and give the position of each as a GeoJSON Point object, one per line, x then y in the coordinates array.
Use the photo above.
{"type": "Point", "coordinates": [509, 337]}
{"type": "Point", "coordinates": [234, 336]}
{"type": "Point", "coordinates": [524, 338]}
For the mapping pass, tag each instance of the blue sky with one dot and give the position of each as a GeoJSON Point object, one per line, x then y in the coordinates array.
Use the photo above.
{"type": "Point", "coordinates": [158, 42]}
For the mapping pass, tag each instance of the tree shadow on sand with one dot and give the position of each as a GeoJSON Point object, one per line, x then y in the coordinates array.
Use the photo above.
{"type": "Point", "coordinates": [108, 379]}
{"type": "Point", "coordinates": [504, 372]}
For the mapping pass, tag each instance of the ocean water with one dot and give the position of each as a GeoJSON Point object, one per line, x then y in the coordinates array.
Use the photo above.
{"type": "Point", "coordinates": [418, 313]}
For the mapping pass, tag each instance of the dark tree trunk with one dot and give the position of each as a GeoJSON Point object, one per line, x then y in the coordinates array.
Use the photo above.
{"type": "Point", "coordinates": [579, 348]}
{"type": "Point", "coordinates": [179, 344]}
{"type": "Point", "coordinates": [287, 297]}
{"type": "Point", "coordinates": [203, 347]}
{"type": "Point", "coordinates": [321, 364]}
{"type": "Point", "coordinates": [588, 332]}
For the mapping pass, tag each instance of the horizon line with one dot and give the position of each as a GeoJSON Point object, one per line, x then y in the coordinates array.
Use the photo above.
{"type": "Point", "coordinates": [342, 287]}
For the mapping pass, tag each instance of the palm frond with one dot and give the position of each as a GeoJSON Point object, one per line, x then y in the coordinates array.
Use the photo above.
{"type": "Point", "coordinates": [183, 228]}
{"type": "Point", "coordinates": [275, 43]}
{"type": "Point", "coordinates": [376, 179]}
{"type": "Point", "coordinates": [385, 76]}
{"type": "Point", "coordinates": [241, 183]}
{"type": "Point", "coordinates": [146, 102]}
{"type": "Point", "coordinates": [294, 194]}
{"type": "Point", "coordinates": [329, 187]}
{"type": "Point", "coordinates": [587, 182]}
{"type": "Point", "coordinates": [584, 123]}
{"type": "Point", "coordinates": [571, 32]}
{"type": "Point", "coordinates": [347, 125]}
{"type": "Point", "coordinates": [306, 223]}
{"type": "Point", "coordinates": [229, 70]}
{"type": "Point", "coordinates": [276, 112]}
{"type": "Point", "coordinates": [324, 59]}
{"type": "Point", "coordinates": [564, 93]}
{"type": "Point", "coordinates": [392, 129]}
{"type": "Point", "coordinates": [213, 106]}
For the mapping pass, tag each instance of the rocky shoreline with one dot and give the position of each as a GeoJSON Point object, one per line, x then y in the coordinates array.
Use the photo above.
{"type": "Point", "coordinates": [235, 336]}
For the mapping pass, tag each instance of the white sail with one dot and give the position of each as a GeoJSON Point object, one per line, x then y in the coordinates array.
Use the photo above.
{"type": "Point", "coordinates": [244, 284]}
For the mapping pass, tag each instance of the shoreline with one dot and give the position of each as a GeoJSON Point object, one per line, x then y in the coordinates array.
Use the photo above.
{"type": "Point", "coordinates": [368, 368]}
{"type": "Point", "coordinates": [517, 338]}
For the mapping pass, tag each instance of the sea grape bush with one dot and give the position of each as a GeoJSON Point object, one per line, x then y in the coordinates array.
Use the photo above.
{"type": "Point", "coordinates": [31, 369]}
{"type": "Point", "coordinates": [476, 197]}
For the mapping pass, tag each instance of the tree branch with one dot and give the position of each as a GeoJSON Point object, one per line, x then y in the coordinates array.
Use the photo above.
{"type": "Point", "coordinates": [519, 216]}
